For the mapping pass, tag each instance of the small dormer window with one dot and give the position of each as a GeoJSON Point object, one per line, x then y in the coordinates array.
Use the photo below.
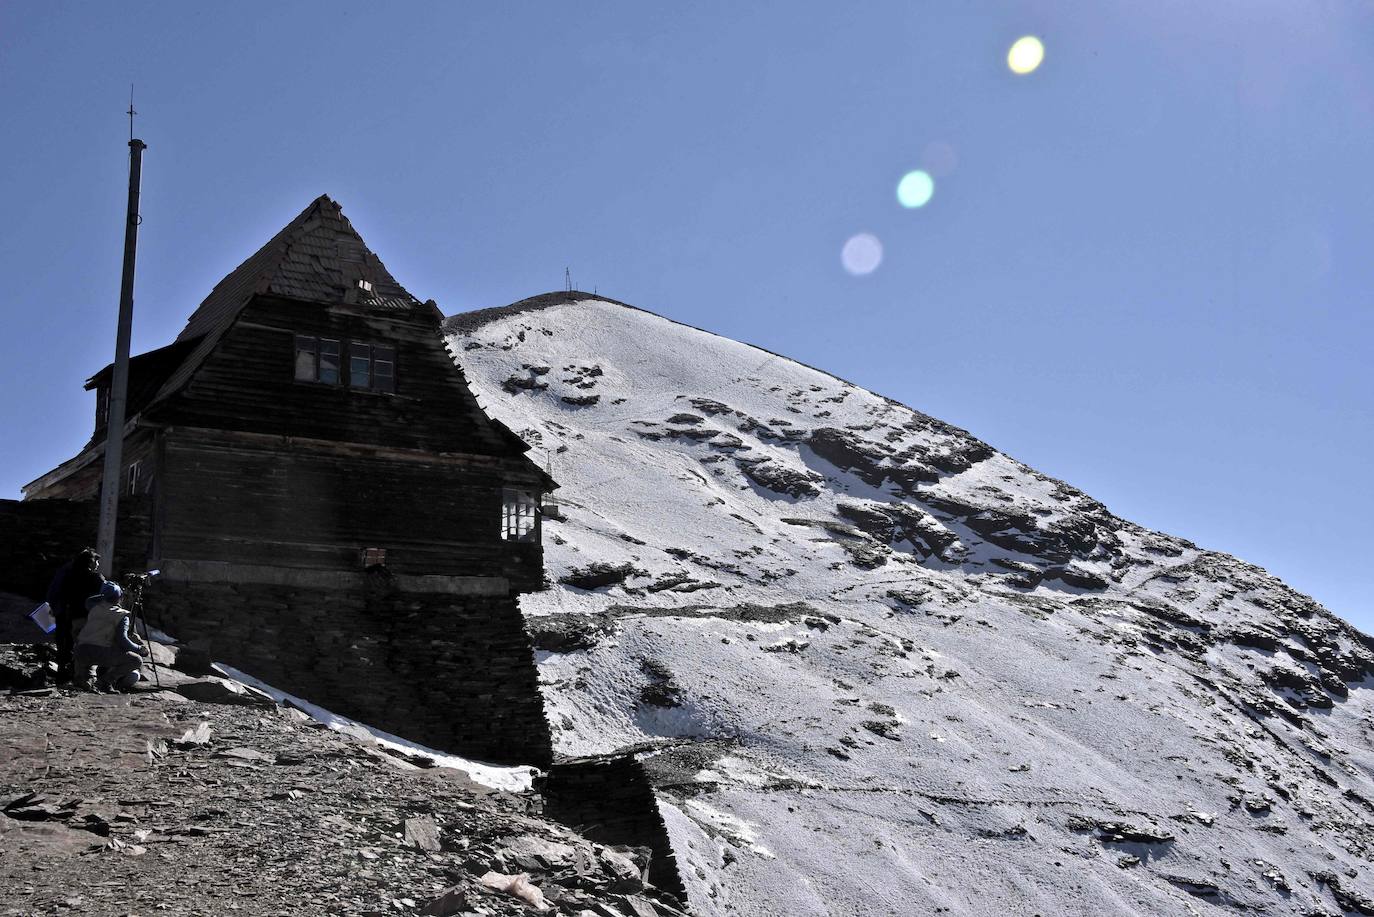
{"type": "Point", "coordinates": [317, 360]}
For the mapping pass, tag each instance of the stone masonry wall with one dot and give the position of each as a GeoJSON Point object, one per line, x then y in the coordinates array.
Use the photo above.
{"type": "Point", "coordinates": [450, 671]}
{"type": "Point", "coordinates": [610, 800]}
{"type": "Point", "coordinates": [38, 536]}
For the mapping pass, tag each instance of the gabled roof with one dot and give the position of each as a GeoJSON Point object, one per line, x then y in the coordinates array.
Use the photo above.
{"type": "Point", "coordinates": [317, 257]}
{"type": "Point", "coordinates": [148, 373]}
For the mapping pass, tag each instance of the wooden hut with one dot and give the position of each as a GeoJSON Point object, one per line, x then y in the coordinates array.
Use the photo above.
{"type": "Point", "coordinates": [331, 509]}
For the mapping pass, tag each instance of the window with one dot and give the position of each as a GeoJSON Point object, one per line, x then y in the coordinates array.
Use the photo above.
{"type": "Point", "coordinates": [134, 477]}
{"type": "Point", "coordinates": [317, 360]}
{"type": "Point", "coordinates": [518, 515]}
{"type": "Point", "coordinates": [102, 406]}
{"type": "Point", "coordinates": [371, 366]}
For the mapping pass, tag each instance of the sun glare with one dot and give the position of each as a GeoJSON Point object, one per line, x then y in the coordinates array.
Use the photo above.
{"type": "Point", "coordinates": [1025, 55]}
{"type": "Point", "coordinates": [915, 189]}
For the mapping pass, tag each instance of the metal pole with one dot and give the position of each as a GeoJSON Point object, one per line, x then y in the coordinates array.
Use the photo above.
{"type": "Point", "coordinates": [119, 383]}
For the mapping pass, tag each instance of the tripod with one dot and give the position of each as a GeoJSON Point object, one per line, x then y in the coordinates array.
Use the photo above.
{"type": "Point", "coordinates": [133, 587]}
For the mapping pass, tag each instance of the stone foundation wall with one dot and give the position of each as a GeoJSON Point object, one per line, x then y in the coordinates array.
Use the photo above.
{"type": "Point", "coordinates": [38, 536]}
{"type": "Point", "coordinates": [609, 799]}
{"type": "Point", "coordinates": [452, 671]}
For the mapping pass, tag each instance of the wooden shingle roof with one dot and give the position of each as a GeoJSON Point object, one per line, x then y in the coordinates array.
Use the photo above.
{"type": "Point", "coordinates": [317, 257]}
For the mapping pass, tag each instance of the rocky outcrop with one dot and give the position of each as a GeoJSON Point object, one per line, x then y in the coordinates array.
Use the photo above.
{"type": "Point", "coordinates": [779, 478]}
{"type": "Point", "coordinates": [599, 575]}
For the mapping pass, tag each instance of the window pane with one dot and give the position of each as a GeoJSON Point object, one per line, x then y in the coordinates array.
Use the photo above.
{"type": "Point", "coordinates": [518, 515]}
{"type": "Point", "coordinates": [305, 359]}
{"type": "Point", "coordinates": [359, 365]}
{"type": "Point", "coordinates": [384, 369]}
{"type": "Point", "coordinates": [329, 361]}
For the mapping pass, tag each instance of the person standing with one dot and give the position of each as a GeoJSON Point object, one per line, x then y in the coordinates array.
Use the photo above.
{"type": "Point", "coordinates": [74, 582]}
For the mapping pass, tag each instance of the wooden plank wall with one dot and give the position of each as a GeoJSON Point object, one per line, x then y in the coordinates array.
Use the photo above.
{"type": "Point", "coordinates": [248, 383]}
{"type": "Point", "coordinates": [85, 483]}
{"type": "Point", "coordinates": [244, 499]}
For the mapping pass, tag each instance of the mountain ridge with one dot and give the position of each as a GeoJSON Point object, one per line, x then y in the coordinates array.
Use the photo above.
{"type": "Point", "coordinates": [793, 586]}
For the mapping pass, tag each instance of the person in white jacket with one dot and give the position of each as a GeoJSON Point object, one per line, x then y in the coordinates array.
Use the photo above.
{"type": "Point", "coordinates": [108, 643]}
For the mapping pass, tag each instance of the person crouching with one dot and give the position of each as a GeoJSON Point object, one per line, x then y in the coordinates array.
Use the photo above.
{"type": "Point", "coordinates": [108, 643]}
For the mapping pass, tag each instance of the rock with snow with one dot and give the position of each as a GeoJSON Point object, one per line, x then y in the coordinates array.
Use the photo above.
{"type": "Point", "coordinates": [1111, 680]}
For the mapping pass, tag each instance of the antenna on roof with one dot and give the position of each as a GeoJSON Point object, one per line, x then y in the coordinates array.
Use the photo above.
{"type": "Point", "coordinates": [119, 382]}
{"type": "Point", "coordinates": [550, 505]}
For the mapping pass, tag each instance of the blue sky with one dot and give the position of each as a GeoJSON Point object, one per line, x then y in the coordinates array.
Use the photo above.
{"type": "Point", "coordinates": [1145, 268]}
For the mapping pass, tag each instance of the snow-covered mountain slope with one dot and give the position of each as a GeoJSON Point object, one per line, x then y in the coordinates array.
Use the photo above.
{"type": "Point", "coordinates": [890, 670]}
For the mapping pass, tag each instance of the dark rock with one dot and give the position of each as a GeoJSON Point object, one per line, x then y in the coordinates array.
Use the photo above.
{"type": "Point", "coordinates": [1077, 577]}
{"type": "Point", "coordinates": [871, 518]}
{"type": "Point", "coordinates": [1117, 832]}
{"type": "Point", "coordinates": [454, 900]}
{"type": "Point", "coordinates": [1199, 888]}
{"type": "Point", "coordinates": [581, 401]}
{"type": "Point", "coordinates": [600, 574]}
{"type": "Point", "coordinates": [194, 660]}
{"type": "Point", "coordinates": [709, 407]}
{"type": "Point", "coordinates": [781, 479]}
{"type": "Point", "coordinates": [1347, 898]}
{"type": "Point", "coordinates": [1255, 637]}
{"type": "Point", "coordinates": [564, 634]}
{"type": "Point", "coordinates": [34, 812]}
{"type": "Point", "coordinates": [865, 554]}
{"type": "Point", "coordinates": [517, 384]}
{"type": "Point", "coordinates": [661, 691]}
{"type": "Point", "coordinates": [1169, 613]}
{"type": "Point", "coordinates": [212, 690]}
{"type": "Point", "coordinates": [871, 462]}
{"type": "Point", "coordinates": [885, 728]}
{"type": "Point", "coordinates": [686, 419]}
{"type": "Point", "coordinates": [1025, 575]}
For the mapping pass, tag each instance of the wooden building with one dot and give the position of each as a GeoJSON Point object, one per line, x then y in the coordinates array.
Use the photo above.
{"type": "Point", "coordinates": [330, 508]}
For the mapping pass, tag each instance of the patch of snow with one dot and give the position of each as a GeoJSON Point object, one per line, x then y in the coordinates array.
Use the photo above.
{"type": "Point", "coordinates": [511, 779]}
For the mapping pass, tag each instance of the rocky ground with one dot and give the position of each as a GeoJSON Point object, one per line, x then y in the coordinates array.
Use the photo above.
{"type": "Point", "coordinates": [156, 802]}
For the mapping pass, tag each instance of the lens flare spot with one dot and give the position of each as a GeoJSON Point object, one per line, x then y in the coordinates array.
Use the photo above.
{"type": "Point", "coordinates": [940, 159]}
{"type": "Point", "coordinates": [915, 189]}
{"type": "Point", "coordinates": [862, 254]}
{"type": "Point", "coordinates": [1025, 55]}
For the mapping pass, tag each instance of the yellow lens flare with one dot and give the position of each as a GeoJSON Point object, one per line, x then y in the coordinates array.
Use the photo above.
{"type": "Point", "coordinates": [1025, 55]}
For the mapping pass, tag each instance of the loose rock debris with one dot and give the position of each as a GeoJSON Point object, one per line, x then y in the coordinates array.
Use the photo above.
{"type": "Point", "coordinates": [130, 804]}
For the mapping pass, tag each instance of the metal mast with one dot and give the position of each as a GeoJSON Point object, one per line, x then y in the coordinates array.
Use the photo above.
{"type": "Point", "coordinates": [119, 383]}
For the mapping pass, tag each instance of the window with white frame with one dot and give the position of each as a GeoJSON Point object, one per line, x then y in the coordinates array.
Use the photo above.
{"type": "Point", "coordinates": [519, 515]}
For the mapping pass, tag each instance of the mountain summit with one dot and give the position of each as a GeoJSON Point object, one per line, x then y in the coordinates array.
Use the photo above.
{"type": "Point", "coordinates": [876, 666]}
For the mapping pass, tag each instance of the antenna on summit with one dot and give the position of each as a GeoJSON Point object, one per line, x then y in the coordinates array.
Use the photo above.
{"type": "Point", "coordinates": [567, 280]}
